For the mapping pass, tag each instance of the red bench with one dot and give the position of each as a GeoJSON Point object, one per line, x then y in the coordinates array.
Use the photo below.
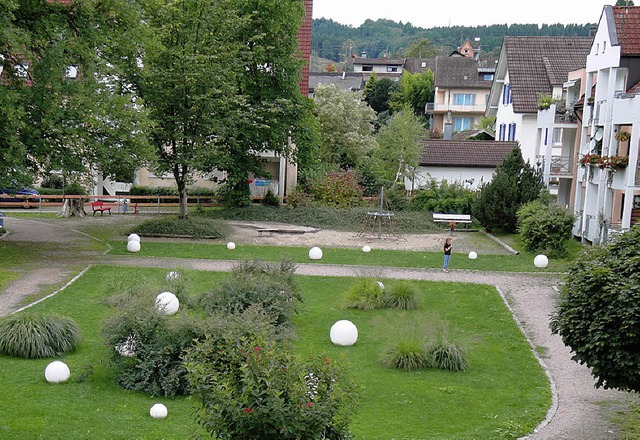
{"type": "Point", "coordinates": [100, 207]}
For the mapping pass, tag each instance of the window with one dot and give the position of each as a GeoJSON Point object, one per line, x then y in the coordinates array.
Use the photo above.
{"type": "Point", "coordinates": [392, 68]}
{"type": "Point", "coordinates": [367, 68]}
{"type": "Point", "coordinates": [512, 132]}
{"type": "Point", "coordinates": [557, 136]}
{"type": "Point", "coordinates": [503, 128]}
{"type": "Point", "coordinates": [604, 46]}
{"type": "Point", "coordinates": [460, 124]}
{"type": "Point", "coordinates": [423, 64]}
{"type": "Point", "coordinates": [487, 77]}
{"type": "Point", "coordinates": [506, 94]}
{"type": "Point", "coordinates": [464, 99]}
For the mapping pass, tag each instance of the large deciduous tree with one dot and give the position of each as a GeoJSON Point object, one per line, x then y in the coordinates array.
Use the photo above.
{"type": "Point", "coordinates": [221, 83]}
{"type": "Point", "coordinates": [63, 105]}
{"type": "Point", "coordinates": [415, 90]}
{"type": "Point", "coordinates": [514, 184]}
{"type": "Point", "coordinates": [422, 48]}
{"type": "Point", "coordinates": [599, 312]}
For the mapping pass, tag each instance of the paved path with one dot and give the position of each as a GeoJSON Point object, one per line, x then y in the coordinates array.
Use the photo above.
{"type": "Point", "coordinates": [579, 411]}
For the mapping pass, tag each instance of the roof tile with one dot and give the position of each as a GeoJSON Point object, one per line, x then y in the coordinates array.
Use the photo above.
{"type": "Point", "coordinates": [449, 153]}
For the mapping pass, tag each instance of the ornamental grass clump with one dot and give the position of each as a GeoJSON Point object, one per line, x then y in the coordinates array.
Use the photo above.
{"type": "Point", "coordinates": [408, 353]}
{"type": "Point", "coordinates": [401, 296]}
{"type": "Point", "coordinates": [366, 294]}
{"type": "Point", "coordinates": [34, 336]}
{"type": "Point", "coordinates": [446, 355]}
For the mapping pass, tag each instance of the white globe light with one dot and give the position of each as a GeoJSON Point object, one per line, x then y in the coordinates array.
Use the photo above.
{"type": "Point", "coordinates": [540, 261]}
{"type": "Point", "coordinates": [167, 303]}
{"type": "Point", "coordinates": [133, 246]}
{"type": "Point", "coordinates": [56, 372]}
{"type": "Point", "coordinates": [473, 255]}
{"type": "Point", "coordinates": [173, 276]}
{"type": "Point", "coordinates": [366, 249]}
{"type": "Point", "coordinates": [380, 284]}
{"type": "Point", "coordinates": [158, 411]}
{"type": "Point", "coordinates": [231, 245]}
{"type": "Point", "coordinates": [134, 237]}
{"type": "Point", "coordinates": [344, 333]}
{"type": "Point", "coordinates": [315, 253]}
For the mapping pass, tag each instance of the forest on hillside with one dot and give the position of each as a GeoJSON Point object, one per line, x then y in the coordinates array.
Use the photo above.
{"type": "Point", "coordinates": [338, 42]}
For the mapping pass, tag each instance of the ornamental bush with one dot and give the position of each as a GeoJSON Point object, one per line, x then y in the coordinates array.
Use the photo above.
{"type": "Point", "coordinates": [598, 315]}
{"type": "Point", "coordinates": [252, 388]}
{"type": "Point", "coordinates": [408, 353]}
{"type": "Point", "coordinates": [446, 355]}
{"type": "Point", "coordinates": [366, 294]}
{"type": "Point", "coordinates": [401, 296]}
{"type": "Point", "coordinates": [448, 198]}
{"type": "Point", "coordinates": [34, 336]}
{"type": "Point", "coordinates": [545, 227]}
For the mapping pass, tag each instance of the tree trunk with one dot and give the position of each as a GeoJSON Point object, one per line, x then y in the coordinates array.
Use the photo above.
{"type": "Point", "coordinates": [180, 174]}
{"type": "Point", "coordinates": [72, 208]}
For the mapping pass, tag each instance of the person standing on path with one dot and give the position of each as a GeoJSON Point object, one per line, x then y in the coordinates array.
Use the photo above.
{"type": "Point", "coordinates": [447, 253]}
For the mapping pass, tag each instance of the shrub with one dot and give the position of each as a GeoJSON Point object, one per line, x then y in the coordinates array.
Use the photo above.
{"type": "Point", "coordinates": [270, 199]}
{"type": "Point", "coordinates": [34, 336]}
{"type": "Point", "coordinates": [196, 227]}
{"type": "Point", "coordinates": [337, 189]}
{"type": "Point", "coordinates": [545, 227]}
{"type": "Point", "coordinates": [446, 355]}
{"type": "Point", "coordinates": [408, 353]}
{"type": "Point", "coordinates": [271, 286]}
{"type": "Point", "coordinates": [366, 294]}
{"type": "Point", "coordinates": [401, 296]}
{"type": "Point", "coordinates": [255, 389]}
{"type": "Point", "coordinates": [448, 198]}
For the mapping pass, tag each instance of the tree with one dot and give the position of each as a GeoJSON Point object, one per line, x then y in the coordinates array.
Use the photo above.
{"type": "Point", "coordinates": [422, 48]}
{"type": "Point", "coordinates": [379, 93]}
{"type": "Point", "coordinates": [398, 147]}
{"type": "Point", "coordinates": [514, 184]}
{"type": "Point", "coordinates": [415, 90]}
{"type": "Point", "coordinates": [624, 3]}
{"type": "Point", "coordinates": [487, 123]}
{"type": "Point", "coordinates": [545, 227]}
{"type": "Point", "coordinates": [220, 79]}
{"type": "Point", "coordinates": [63, 102]}
{"type": "Point", "coordinates": [345, 126]}
{"type": "Point", "coordinates": [597, 316]}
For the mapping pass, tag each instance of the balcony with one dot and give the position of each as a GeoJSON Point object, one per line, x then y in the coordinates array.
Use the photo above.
{"type": "Point", "coordinates": [434, 107]}
{"type": "Point", "coordinates": [561, 166]}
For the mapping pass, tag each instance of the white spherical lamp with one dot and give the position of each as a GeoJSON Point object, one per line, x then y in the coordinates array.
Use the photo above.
{"type": "Point", "coordinates": [57, 372]}
{"type": "Point", "coordinates": [167, 303]}
{"type": "Point", "coordinates": [173, 276]}
{"type": "Point", "coordinates": [133, 246]}
{"type": "Point", "coordinates": [366, 249]}
{"type": "Point", "coordinates": [231, 245]}
{"type": "Point", "coordinates": [473, 255]}
{"type": "Point", "coordinates": [134, 237]}
{"type": "Point", "coordinates": [315, 253]}
{"type": "Point", "coordinates": [158, 411]}
{"type": "Point", "coordinates": [541, 261]}
{"type": "Point", "coordinates": [344, 333]}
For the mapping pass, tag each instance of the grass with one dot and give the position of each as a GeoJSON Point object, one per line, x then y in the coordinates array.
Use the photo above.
{"type": "Point", "coordinates": [504, 378]}
{"type": "Point", "coordinates": [390, 258]}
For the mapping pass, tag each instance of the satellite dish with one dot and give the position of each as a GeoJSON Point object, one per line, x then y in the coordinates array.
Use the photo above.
{"type": "Point", "coordinates": [598, 135]}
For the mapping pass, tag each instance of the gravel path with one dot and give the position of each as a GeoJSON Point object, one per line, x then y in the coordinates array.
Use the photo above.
{"type": "Point", "coordinates": [579, 411]}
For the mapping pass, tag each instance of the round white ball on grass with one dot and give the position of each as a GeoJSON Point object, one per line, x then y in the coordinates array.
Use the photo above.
{"type": "Point", "coordinates": [57, 372]}
{"type": "Point", "coordinates": [167, 303]}
{"type": "Point", "coordinates": [231, 245]}
{"type": "Point", "coordinates": [380, 284]}
{"type": "Point", "coordinates": [158, 411]}
{"type": "Point", "coordinates": [541, 261]}
{"type": "Point", "coordinates": [473, 255]}
{"type": "Point", "coordinates": [315, 253]}
{"type": "Point", "coordinates": [344, 333]}
{"type": "Point", "coordinates": [134, 237]}
{"type": "Point", "coordinates": [366, 249]}
{"type": "Point", "coordinates": [173, 276]}
{"type": "Point", "coordinates": [133, 246]}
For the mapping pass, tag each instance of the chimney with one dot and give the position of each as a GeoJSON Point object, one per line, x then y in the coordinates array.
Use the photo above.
{"type": "Point", "coordinates": [363, 54]}
{"type": "Point", "coordinates": [448, 131]}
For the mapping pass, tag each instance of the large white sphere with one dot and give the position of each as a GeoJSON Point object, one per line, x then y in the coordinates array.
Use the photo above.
{"type": "Point", "coordinates": [380, 284]}
{"type": "Point", "coordinates": [158, 411]}
{"type": "Point", "coordinates": [540, 261]}
{"type": "Point", "coordinates": [473, 255]}
{"type": "Point", "coordinates": [315, 253]}
{"type": "Point", "coordinates": [344, 333]}
{"type": "Point", "coordinates": [56, 372]}
{"type": "Point", "coordinates": [133, 246]}
{"type": "Point", "coordinates": [134, 237]}
{"type": "Point", "coordinates": [167, 303]}
{"type": "Point", "coordinates": [366, 249]}
{"type": "Point", "coordinates": [231, 245]}
{"type": "Point", "coordinates": [173, 276]}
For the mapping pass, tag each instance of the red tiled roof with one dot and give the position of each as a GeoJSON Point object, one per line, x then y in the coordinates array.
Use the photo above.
{"type": "Point", "coordinates": [627, 19]}
{"type": "Point", "coordinates": [476, 154]}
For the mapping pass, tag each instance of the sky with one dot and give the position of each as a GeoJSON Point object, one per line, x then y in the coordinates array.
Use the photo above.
{"type": "Point", "coordinates": [428, 14]}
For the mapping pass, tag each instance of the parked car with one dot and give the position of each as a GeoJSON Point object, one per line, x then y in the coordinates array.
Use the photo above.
{"type": "Point", "coordinates": [24, 195]}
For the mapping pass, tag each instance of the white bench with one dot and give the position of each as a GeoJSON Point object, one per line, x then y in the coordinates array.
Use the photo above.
{"type": "Point", "coordinates": [448, 218]}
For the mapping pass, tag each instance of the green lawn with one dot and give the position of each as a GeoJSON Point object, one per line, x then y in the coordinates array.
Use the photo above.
{"type": "Point", "coordinates": [504, 390]}
{"type": "Point", "coordinates": [392, 258]}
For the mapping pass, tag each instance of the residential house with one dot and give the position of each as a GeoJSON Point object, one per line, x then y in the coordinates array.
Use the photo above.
{"type": "Point", "coordinates": [345, 81]}
{"type": "Point", "coordinates": [461, 94]}
{"type": "Point", "coordinates": [607, 197]}
{"type": "Point", "coordinates": [382, 67]}
{"type": "Point", "coordinates": [529, 68]}
{"type": "Point", "coordinates": [469, 163]}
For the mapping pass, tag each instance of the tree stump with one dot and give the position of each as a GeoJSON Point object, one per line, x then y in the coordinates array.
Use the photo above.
{"type": "Point", "coordinates": [72, 208]}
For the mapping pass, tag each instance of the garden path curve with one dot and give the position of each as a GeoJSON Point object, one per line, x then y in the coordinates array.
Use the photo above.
{"type": "Point", "coordinates": [579, 411]}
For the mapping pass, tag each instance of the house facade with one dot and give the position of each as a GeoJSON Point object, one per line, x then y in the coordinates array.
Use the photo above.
{"type": "Point", "coordinates": [607, 196]}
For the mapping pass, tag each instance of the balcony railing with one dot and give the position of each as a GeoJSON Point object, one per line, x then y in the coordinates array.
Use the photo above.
{"type": "Point", "coordinates": [560, 165]}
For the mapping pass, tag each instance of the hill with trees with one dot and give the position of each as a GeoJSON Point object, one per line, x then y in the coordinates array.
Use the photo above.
{"type": "Point", "coordinates": [338, 42]}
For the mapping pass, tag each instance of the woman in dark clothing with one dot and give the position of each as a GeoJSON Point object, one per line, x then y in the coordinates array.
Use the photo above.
{"type": "Point", "coordinates": [447, 253]}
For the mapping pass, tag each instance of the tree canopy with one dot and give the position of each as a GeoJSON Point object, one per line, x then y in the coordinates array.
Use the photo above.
{"type": "Point", "coordinates": [599, 312]}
